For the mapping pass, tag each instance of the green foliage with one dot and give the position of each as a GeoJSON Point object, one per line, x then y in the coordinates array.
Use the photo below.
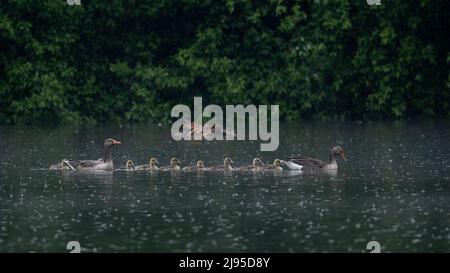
{"type": "Point", "coordinates": [134, 60]}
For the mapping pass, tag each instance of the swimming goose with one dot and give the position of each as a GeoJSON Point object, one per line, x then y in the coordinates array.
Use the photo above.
{"type": "Point", "coordinates": [129, 166]}
{"type": "Point", "coordinates": [173, 165]}
{"type": "Point", "coordinates": [225, 167]}
{"type": "Point", "coordinates": [276, 166]}
{"type": "Point", "coordinates": [151, 166]}
{"type": "Point", "coordinates": [103, 164]}
{"type": "Point", "coordinates": [200, 166]}
{"type": "Point", "coordinates": [311, 163]}
{"type": "Point", "coordinates": [257, 165]}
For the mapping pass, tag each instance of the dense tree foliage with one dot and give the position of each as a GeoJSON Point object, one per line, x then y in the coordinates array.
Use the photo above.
{"type": "Point", "coordinates": [133, 60]}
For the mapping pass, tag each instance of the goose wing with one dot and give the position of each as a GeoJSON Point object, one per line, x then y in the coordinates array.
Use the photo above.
{"type": "Point", "coordinates": [217, 168]}
{"type": "Point", "coordinates": [142, 167]}
{"type": "Point", "coordinates": [308, 162]}
{"type": "Point", "coordinates": [189, 168]}
{"type": "Point", "coordinates": [244, 168]}
{"type": "Point", "coordinates": [84, 164]}
{"type": "Point", "coordinates": [268, 167]}
{"type": "Point", "coordinates": [167, 168]}
{"type": "Point", "coordinates": [288, 165]}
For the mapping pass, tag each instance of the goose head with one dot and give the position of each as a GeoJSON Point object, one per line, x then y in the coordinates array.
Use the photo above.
{"type": "Point", "coordinates": [277, 164]}
{"type": "Point", "coordinates": [107, 147]}
{"type": "Point", "coordinates": [109, 142]}
{"type": "Point", "coordinates": [257, 163]}
{"type": "Point", "coordinates": [200, 164]}
{"type": "Point", "coordinates": [174, 163]}
{"type": "Point", "coordinates": [337, 151]}
{"type": "Point", "coordinates": [153, 162]}
{"type": "Point", "coordinates": [227, 162]}
{"type": "Point", "coordinates": [129, 165]}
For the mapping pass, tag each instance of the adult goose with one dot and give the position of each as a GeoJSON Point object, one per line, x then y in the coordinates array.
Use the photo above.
{"type": "Point", "coordinates": [312, 163]}
{"type": "Point", "coordinates": [151, 166]}
{"type": "Point", "coordinates": [173, 165]}
{"type": "Point", "coordinates": [103, 164]}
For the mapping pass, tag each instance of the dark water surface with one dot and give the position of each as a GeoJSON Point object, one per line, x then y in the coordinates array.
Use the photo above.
{"type": "Point", "coordinates": [394, 188]}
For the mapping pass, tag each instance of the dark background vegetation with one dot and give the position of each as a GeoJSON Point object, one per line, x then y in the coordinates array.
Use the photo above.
{"type": "Point", "coordinates": [133, 60]}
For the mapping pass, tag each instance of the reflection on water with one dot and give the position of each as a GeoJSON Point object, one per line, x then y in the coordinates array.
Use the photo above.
{"type": "Point", "coordinates": [394, 189]}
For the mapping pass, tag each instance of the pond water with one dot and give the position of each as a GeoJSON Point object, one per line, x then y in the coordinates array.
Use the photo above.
{"type": "Point", "coordinates": [394, 188]}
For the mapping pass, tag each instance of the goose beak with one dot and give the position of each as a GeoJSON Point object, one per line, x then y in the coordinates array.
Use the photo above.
{"type": "Point", "coordinates": [115, 142]}
{"type": "Point", "coordinates": [343, 157]}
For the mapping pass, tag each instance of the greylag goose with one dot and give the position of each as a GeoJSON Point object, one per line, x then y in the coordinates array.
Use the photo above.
{"type": "Point", "coordinates": [257, 165]}
{"type": "Point", "coordinates": [173, 165]}
{"type": "Point", "coordinates": [129, 166]}
{"type": "Point", "coordinates": [103, 164]}
{"type": "Point", "coordinates": [151, 166]}
{"type": "Point", "coordinates": [276, 166]}
{"type": "Point", "coordinates": [200, 166]}
{"type": "Point", "coordinates": [312, 163]}
{"type": "Point", "coordinates": [225, 167]}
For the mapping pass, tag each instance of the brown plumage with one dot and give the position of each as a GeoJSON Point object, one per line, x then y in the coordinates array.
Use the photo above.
{"type": "Point", "coordinates": [104, 164]}
{"type": "Point", "coordinates": [312, 163]}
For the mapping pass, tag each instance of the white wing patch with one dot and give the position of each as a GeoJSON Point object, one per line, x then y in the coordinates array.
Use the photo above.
{"type": "Point", "coordinates": [291, 165]}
